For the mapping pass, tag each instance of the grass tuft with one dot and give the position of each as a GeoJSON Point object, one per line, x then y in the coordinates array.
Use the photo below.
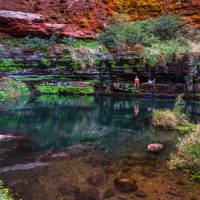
{"type": "Point", "coordinates": [187, 156]}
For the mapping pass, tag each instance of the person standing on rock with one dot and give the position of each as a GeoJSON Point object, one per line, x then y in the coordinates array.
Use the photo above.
{"type": "Point", "coordinates": [136, 82]}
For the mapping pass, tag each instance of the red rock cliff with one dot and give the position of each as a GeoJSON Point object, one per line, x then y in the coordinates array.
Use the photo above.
{"type": "Point", "coordinates": [83, 18]}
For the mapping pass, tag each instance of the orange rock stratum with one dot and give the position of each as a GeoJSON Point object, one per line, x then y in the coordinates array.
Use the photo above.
{"type": "Point", "coordinates": [84, 18]}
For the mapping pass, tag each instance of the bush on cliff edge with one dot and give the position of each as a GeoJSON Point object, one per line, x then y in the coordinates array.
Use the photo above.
{"type": "Point", "coordinates": [161, 38]}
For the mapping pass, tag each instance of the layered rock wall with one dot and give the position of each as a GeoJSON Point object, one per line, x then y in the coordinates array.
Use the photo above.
{"type": "Point", "coordinates": [84, 18]}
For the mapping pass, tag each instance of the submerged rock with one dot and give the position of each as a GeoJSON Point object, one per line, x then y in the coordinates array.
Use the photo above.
{"type": "Point", "coordinates": [9, 137]}
{"type": "Point", "coordinates": [97, 179]}
{"type": "Point", "coordinates": [109, 193]}
{"type": "Point", "coordinates": [6, 138]}
{"type": "Point", "coordinates": [124, 183]}
{"type": "Point", "coordinates": [89, 193]}
{"type": "Point", "coordinates": [141, 194]}
{"type": "Point", "coordinates": [68, 189]}
{"type": "Point", "coordinates": [155, 148]}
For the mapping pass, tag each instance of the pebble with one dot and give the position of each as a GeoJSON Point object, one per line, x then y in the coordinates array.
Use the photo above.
{"type": "Point", "coordinates": [141, 193]}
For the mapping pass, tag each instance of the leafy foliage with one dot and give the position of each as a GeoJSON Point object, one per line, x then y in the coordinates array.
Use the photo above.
{"type": "Point", "coordinates": [10, 88]}
{"type": "Point", "coordinates": [173, 119]}
{"type": "Point", "coordinates": [38, 43]}
{"type": "Point", "coordinates": [60, 89]}
{"type": "Point", "coordinates": [163, 51]}
{"type": "Point", "coordinates": [168, 27]}
{"type": "Point", "coordinates": [180, 104]}
{"type": "Point", "coordinates": [77, 43]}
{"type": "Point", "coordinates": [160, 38]}
{"type": "Point", "coordinates": [188, 154]}
{"type": "Point", "coordinates": [8, 65]}
{"type": "Point", "coordinates": [129, 90]}
{"type": "Point", "coordinates": [5, 193]}
{"type": "Point", "coordinates": [140, 32]}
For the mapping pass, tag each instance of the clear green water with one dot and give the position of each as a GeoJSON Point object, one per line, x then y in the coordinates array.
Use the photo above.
{"type": "Point", "coordinates": [57, 122]}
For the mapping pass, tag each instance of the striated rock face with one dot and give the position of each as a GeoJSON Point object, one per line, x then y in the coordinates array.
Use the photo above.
{"type": "Point", "coordinates": [84, 18]}
{"type": "Point", "coordinates": [78, 18]}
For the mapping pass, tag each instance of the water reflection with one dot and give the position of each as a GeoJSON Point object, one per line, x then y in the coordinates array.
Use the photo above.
{"type": "Point", "coordinates": [136, 109]}
{"type": "Point", "coordinates": [56, 122]}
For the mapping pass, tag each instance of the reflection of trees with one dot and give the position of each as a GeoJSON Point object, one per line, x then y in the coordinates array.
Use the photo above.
{"type": "Point", "coordinates": [15, 103]}
{"type": "Point", "coordinates": [56, 122]}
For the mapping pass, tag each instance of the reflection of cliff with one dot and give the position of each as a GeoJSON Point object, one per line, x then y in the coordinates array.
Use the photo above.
{"type": "Point", "coordinates": [51, 126]}
{"type": "Point", "coordinates": [81, 18]}
{"type": "Point", "coordinates": [62, 121]}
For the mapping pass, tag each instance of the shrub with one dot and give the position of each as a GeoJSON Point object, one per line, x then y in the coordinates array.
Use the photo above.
{"type": "Point", "coordinates": [3, 95]}
{"type": "Point", "coordinates": [140, 32]}
{"type": "Point", "coordinates": [179, 105]}
{"type": "Point", "coordinates": [173, 119]}
{"type": "Point", "coordinates": [46, 62]}
{"type": "Point", "coordinates": [5, 193]}
{"type": "Point", "coordinates": [86, 90]}
{"type": "Point", "coordinates": [77, 43]}
{"type": "Point", "coordinates": [160, 38]}
{"type": "Point", "coordinates": [10, 88]}
{"type": "Point", "coordinates": [188, 154]}
{"type": "Point", "coordinates": [145, 32]}
{"type": "Point", "coordinates": [165, 119]}
{"type": "Point", "coordinates": [8, 65]}
{"type": "Point", "coordinates": [59, 89]}
{"type": "Point", "coordinates": [113, 37]}
{"type": "Point", "coordinates": [162, 52]}
{"type": "Point", "coordinates": [168, 27]}
{"type": "Point", "coordinates": [38, 43]}
{"type": "Point", "coordinates": [129, 90]}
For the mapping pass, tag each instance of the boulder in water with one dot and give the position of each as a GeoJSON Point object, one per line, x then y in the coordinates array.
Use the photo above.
{"type": "Point", "coordinates": [155, 148]}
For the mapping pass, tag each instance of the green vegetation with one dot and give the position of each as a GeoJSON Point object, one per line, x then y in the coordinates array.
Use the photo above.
{"type": "Point", "coordinates": [186, 128]}
{"type": "Point", "coordinates": [8, 65]}
{"type": "Point", "coordinates": [5, 193]}
{"type": "Point", "coordinates": [128, 90]}
{"type": "Point", "coordinates": [197, 95]}
{"type": "Point", "coordinates": [168, 119]}
{"type": "Point", "coordinates": [187, 156]}
{"type": "Point", "coordinates": [161, 52]}
{"type": "Point", "coordinates": [10, 88]}
{"type": "Point", "coordinates": [77, 43]}
{"type": "Point", "coordinates": [161, 38]}
{"type": "Point", "coordinates": [168, 27]}
{"type": "Point", "coordinates": [36, 43]}
{"type": "Point", "coordinates": [46, 62]}
{"type": "Point", "coordinates": [39, 43]}
{"type": "Point", "coordinates": [60, 89]}
{"type": "Point", "coordinates": [45, 78]}
{"type": "Point", "coordinates": [129, 34]}
{"type": "Point", "coordinates": [173, 119]}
